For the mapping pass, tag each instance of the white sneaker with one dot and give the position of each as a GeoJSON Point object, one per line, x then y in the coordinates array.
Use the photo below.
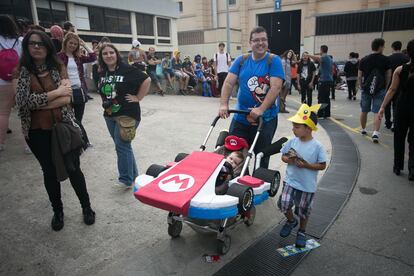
{"type": "Point", "coordinates": [121, 186]}
{"type": "Point", "coordinates": [375, 137]}
{"type": "Point", "coordinates": [363, 131]}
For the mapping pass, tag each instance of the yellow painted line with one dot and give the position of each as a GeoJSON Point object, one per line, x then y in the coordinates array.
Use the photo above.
{"type": "Point", "coordinates": [354, 130]}
{"type": "Point", "coordinates": [368, 124]}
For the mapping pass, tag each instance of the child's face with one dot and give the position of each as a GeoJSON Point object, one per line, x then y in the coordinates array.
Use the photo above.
{"type": "Point", "coordinates": [234, 160]}
{"type": "Point", "coordinates": [301, 130]}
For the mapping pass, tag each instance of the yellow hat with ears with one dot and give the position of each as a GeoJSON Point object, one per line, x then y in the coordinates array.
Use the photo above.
{"type": "Point", "coordinates": [307, 115]}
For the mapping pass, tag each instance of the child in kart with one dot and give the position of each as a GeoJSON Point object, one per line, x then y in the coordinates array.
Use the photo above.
{"type": "Point", "coordinates": [233, 147]}
{"type": "Point", "coordinates": [305, 156]}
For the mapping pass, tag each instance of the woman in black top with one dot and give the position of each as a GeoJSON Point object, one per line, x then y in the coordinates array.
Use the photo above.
{"type": "Point", "coordinates": [121, 87]}
{"type": "Point", "coordinates": [306, 75]}
{"type": "Point", "coordinates": [403, 81]}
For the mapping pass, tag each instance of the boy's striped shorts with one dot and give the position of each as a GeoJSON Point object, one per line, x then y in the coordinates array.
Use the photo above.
{"type": "Point", "coordinates": [292, 197]}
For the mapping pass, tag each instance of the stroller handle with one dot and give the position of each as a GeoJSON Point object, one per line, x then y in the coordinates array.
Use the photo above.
{"type": "Point", "coordinates": [245, 112]}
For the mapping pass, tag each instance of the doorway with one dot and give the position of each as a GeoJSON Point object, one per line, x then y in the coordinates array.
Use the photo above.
{"type": "Point", "coordinates": [283, 29]}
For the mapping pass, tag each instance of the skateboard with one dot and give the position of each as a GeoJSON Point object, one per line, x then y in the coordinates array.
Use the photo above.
{"type": "Point", "coordinates": [291, 250]}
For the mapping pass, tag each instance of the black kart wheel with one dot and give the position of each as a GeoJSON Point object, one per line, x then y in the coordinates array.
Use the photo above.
{"type": "Point", "coordinates": [274, 185]}
{"type": "Point", "coordinates": [154, 170]}
{"type": "Point", "coordinates": [180, 156]}
{"type": "Point", "coordinates": [174, 228]}
{"type": "Point", "coordinates": [271, 176]}
{"type": "Point", "coordinates": [223, 246]}
{"type": "Point", "coordinates": [250, 216]}
{"type": "Point", "coordinates": [245, 195]}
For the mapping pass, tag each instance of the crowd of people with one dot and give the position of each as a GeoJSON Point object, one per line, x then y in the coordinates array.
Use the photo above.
{"type": "Point", "coordinates": [47, 85]}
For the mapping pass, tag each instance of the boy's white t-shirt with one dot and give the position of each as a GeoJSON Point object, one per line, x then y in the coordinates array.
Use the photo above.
{"type": "Point", "coordinates": [312, 152]}
{"type": "Point", "coordinates": [222, 62]}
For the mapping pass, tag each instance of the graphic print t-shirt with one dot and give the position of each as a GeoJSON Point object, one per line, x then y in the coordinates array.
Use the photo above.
{"type": "Point", "coordinates": [254, 84]}
{"type": "Point", "coordinates": [114, 86]}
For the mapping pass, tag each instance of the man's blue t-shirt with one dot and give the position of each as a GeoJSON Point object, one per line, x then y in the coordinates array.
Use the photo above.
{"type": "Point", "coordinates": [326, 68]}
{"type": "Point", "coordinates": [254, 84]}
{"type": "Point", "coordinates": [312, 152]}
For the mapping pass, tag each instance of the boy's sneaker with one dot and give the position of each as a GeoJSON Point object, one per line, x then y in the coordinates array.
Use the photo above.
{"type": "Point", "coordinates": [300, 239]}
{"type": "Point", "coordinates": [287, 228]}
{"type": "Point", "coordinates": [363, 131]}
{"type": "Point", "coordinates": [375, 137]}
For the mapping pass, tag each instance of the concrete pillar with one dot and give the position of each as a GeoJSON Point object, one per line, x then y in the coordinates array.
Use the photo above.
{"type": "Point", "coordinates": [34, 12]}
{"type": "Point", "coordinates": [133, 26]}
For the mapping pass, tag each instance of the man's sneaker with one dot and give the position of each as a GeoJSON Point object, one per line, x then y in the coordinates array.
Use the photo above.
{"type": "Point", "coordinates": [88, 216]}
{"type": "Point", "coordinates": [363, 131]}
{"type": "Point", "coordinates": [300, 239]}
{"type": "Point", "coordinates": [121, 185]}
{"type": "Point", "coordinates": [375, 137]}
{"type": "Point", "coordinates": [57, 221]}
{"type": "Point", "coordinates": [287, 228]}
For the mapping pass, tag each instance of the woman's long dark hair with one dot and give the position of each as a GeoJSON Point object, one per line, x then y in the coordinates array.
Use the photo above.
{"type": "Point", "coordinates": [8, 27]}
{"type": "Point", "coordinates": [26, 60]}
{"type": "Point", "coordinates": [101, 63]}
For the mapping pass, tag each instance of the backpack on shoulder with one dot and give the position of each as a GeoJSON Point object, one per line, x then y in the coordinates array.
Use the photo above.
{"type": "Point", "coordinates": [9, 60]}
{"type": "Point", "coordinates": [374, 83]}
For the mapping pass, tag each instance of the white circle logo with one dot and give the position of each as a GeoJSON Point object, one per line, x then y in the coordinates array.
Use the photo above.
{"type": "Point", "coordinates": [176, 183]}
{"type": "Point", "coordinates": [233, 142]}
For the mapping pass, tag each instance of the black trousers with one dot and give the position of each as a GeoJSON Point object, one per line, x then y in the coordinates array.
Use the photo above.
{"type": "Point", "coordinates": [79, 110]}
{"type": "Point", "coordinates": [40, 144]}
{"type": "Point", "coordinates": [333, 84]}
{"type": "Point", "coordinates": [221, 77]}
{"type": "Point", "coordinates": [306, 92]}
{"type": "Point", "coordinates": [351, 88]}
{"type": "Point", "coordinates": [324, 88]}
{"type": "Point", "coordinates": [403, 125]}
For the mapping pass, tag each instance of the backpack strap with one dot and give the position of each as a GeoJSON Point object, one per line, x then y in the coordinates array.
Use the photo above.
{"type": "Point", "coordinates": [269, 59]}
{"type": "Point", "coordinates": [244, 57]}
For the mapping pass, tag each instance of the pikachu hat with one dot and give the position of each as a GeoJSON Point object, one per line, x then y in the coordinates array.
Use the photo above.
{"type": "Point", "coordinates": [307, 115]}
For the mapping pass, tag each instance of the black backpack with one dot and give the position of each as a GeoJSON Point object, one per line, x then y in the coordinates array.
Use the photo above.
{"type": "Point", "coordinates": [374, 82]}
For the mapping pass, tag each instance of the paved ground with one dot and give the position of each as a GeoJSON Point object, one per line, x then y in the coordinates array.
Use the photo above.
{"type": "Point", "coordinates": [129, 238]}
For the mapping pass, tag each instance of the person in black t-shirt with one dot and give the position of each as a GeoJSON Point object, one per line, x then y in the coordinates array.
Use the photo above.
{"type": "Point", "coordinates": [403, 80]}
{"type": "Point", "coordinates": [153, 61]}
{"type": "Point", "coordinates": [121, 87]}
{"type": "Point", "coordinates": [374, 75]}
{"type": "Point", "coordinates": [306, 76]}
{"type": "Point", "coordinates": [351, 74]}
{"type": "Point", "coordinates": [396, 59]}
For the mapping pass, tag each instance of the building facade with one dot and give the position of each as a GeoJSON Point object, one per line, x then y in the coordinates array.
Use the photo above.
{"type": "Point", "coordinates": [153, 23]}
{"type": "Point", "coordinates": [301, 25]}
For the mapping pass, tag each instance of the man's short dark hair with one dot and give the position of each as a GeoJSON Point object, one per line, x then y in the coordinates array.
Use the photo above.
{"type": "Point", "coordinates": [256, 30]}
{"type": "Point", "coordinates": [222, 44]}
{"type": "Point", "coordinates": [396, 45]}
{"type": "Point", "coordinates": [324, 49]}
{"type": "Point", "coordinates": [377, 43]}
{"type": "Point", "coordinates": [67, 25]}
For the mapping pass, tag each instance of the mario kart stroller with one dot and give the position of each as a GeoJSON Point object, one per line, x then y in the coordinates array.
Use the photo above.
{"type": "Point", "coordinates": [186, 188]}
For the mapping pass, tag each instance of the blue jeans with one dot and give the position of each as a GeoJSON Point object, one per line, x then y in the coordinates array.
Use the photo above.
{"type": "Point", "coordinates": [372, 103]}
{"type": "Point", "coordinates": [248, 132]}
{"type": "Point", "coordinates": [127, 167]}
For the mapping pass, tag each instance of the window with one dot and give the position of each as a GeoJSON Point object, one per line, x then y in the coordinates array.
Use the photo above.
{"type": "Point", "coordinates": [232, 2]}
{"type": "Point", "coordinates": [51, 13]}
{"type": "Point", "coordinates": [109, 20]}
{"type": "Point", "coordinates": [145, 24]}
{"type": "Point", "coordinates": [19, 9]}
{"type": "Point", "coordinates": [163, 27]}
{"type": "Point", "coordinates": [180, 6]}
{"type": "Point", "coordinates": [399, 19]}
